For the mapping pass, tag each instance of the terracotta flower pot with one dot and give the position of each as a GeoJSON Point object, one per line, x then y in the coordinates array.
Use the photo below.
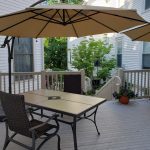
{"type": "Point", "coordinates": [124, 100]}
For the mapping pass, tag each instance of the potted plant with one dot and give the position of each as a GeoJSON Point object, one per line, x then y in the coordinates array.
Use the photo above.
{"type": "Point", "coordinates": [124, 94]}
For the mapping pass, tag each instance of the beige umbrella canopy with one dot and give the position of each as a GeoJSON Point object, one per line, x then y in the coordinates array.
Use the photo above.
{"type": "Point", "coordinates": [67, 21]}
{"type": "Point", "coordinates": [141, 33]}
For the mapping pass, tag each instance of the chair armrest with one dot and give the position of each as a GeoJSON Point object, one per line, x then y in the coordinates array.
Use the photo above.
{"type": "Point", "coordinates": [3, 118]}
{"type": "Point", "coordinates": [54, 116]}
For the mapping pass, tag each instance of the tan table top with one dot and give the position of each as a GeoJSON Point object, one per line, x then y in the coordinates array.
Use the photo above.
{"type": "Point", "coordinates": [73, 104]}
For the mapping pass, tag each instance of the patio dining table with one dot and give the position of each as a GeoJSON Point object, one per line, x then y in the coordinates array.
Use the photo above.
{"type": "Point", "coordinates": [75, 105]}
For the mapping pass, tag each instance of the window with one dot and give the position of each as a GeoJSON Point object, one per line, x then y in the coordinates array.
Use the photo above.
{"type": "Point", "coordinates": [146, 55]}
{"type": "Point", "coordinates": [23, 55]}
{"type": "Point", "coordinates": [119, 52]}
{"type": "Point", "coordinates": [147, 4]}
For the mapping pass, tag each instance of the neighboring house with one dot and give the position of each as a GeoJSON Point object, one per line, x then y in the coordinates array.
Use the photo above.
{"type": "Point", "coordinates": [136, 55]}
{"type": "Point", "coordinates": [28, 52]}
{"type": "Point", "coordinates": [130, 55]}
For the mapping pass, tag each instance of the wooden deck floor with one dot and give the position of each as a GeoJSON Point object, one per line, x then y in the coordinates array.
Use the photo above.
{"type": "Point", "coordinates": [122, 128]}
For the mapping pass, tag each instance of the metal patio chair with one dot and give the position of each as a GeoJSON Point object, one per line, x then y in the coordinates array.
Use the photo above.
{"type": "Point", "coordinates": [18, 121]}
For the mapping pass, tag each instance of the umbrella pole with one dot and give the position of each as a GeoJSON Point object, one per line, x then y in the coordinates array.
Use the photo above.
{"type": "Point", "coordinates": [10, 57]}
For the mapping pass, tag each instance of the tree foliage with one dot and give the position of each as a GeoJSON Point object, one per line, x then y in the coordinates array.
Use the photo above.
{"type": "Point", "coordinates": [55, 49]}
{"type": "Point", "coordinates": [55, 53]}
{"type": "Point", "coordinates": [88, 52]}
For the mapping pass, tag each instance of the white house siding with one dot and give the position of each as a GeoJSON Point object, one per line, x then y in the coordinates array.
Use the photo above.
{"type": "Point", "coordinates": [7, 6]}
{"type": "Point", "coordinates": [132, 51]}
{"type": "Point", "coordinates": [38, 52]}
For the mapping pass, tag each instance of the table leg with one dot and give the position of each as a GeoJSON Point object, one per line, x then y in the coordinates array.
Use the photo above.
{"type": "Point", "coordinates": [86, 116]}
{"type": "Point", "coordinates": [74, 133]}
{"type": "Point", "coordinates": [95, 121]}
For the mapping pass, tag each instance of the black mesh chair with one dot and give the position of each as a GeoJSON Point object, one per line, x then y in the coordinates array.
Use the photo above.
{"type": "Point", "coordinates": [17, 121]}
{"type": "Point", "coordinates": [72, 84]}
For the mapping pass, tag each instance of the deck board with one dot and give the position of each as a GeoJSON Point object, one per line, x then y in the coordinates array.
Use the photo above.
{"type": "Point", "coordinates": [122, 128]}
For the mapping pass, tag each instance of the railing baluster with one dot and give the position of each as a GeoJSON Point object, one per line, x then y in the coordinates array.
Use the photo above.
{"type": "Point", "coordinates": [134, 82]}
{"type": "Point", "coordinates": [131, 80]}
{"type": "Point", "coordinates": [33, 82]}
{"type": "Point", "coordinates": [4, 83]}
{"type": "Point", "coordinates": [38, 82]}
{"type": "Point", "coordinates": [141, 84]}
{"type": "Point", "coordinates": [48, 80]}
{"type": "Point", "coordinates": [138, 83]}
{"type": "Point", "coordinates": [61, 82]}
{"type": "Point", "coordinates": [52, 79]}
{"type": "Point", "coordinates": [19, 82]}
{"type": "Point", "coordinates": [55, 84]}
{"type": "Point", "coordinates": [14, 78]}
{"type": "Point", "coordinates": [28, 78]}
{"type": "Point", "coordinates": [24, 87]}
{"type": "Point", "coordinates": [145, 88]}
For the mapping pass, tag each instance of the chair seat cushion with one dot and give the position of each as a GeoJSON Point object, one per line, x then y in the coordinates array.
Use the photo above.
{"type": "Point", "coordinates": [41, 130]}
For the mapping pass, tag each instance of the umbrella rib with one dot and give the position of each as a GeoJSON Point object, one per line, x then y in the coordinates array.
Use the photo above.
{"type": "Point", "coordinates": [98, 22]}
{"type": "Point", "coordinates": [46, 20]}
{"type": "Point", "coordinates": [78, 21]}
{"type": "Point", "coordinates": [21, 22]}
{"type": "Point", "coordinates": [136, 28]}
{"type": "Point", "coordinates": [73, 16]}
{"type": "Point", "coordinates": [64, 16]}
{"type": "Point", "coordinates": [72, 25]}
{"type": "Point", "coordinates": [48, 17]}
{"type": "Point", "coordinates": [60, 16]}
{"type": "Point", "coordinates": [82, 18]}
{"type": "Point", "coordinates": [47, 23]}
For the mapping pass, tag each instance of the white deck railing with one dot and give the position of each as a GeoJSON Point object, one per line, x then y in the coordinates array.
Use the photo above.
{"type": "Point", "coordinates": [30, 81]}
{"type": "Point", "coordinates": [21, 82]}
{"type": "Point", "coordinates": [55, 79]}
{"type": "Point", "coordinates": [139, 81]}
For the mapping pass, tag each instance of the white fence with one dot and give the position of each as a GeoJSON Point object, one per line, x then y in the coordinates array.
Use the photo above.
{"type": "Point", "coordinates": [139, 81]}
{"type": "Point", "coordinates": [21, 82]}
{"type": "Point", "coordinates": [30, 81]}
{"type": "Point", "coordinates": [136, 80]}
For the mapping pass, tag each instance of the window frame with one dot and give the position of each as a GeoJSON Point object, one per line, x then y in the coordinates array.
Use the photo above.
{"type": "Point", "coordinates": [145, 5]}
{"type": "Point", "coordinates": [24, 54]}
{"type": "Point", "coordinates": [118, 39]}
{"type": "Point", "coordinates": [145, 54]}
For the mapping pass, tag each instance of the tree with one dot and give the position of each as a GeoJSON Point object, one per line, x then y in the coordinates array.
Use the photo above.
{"type": "Point", "coordinates": [55, 53]}
{"type": "Point", "coordinates": [55, 49]}
{"type": "Point", "coordinates": [90, 51]}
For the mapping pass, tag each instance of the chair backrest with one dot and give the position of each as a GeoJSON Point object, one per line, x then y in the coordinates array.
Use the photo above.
{"type": "Point", "coordinates": [14, 108]}
{"type": "Point", "coordinates": [72, 84]}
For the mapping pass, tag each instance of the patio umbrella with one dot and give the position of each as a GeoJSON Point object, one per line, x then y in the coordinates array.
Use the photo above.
{"type": "Point", "coordinates": [64, 21]}
{"type": "Point", "coordinates": [141, 33]}
{"type": "Point", "coordinates": [67, 21]}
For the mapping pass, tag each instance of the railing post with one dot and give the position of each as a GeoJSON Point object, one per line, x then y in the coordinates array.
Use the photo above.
{"type": "Point", "coordinates": [82, 79]}
{"type": "Point", "coordinates": [43, 80]}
